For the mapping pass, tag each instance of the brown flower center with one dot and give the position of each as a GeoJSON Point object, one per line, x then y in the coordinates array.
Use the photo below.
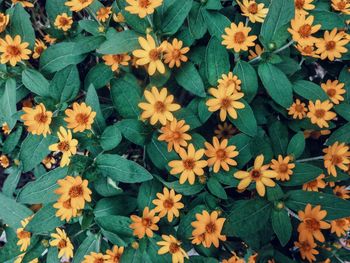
{"type": "Point", "coordinates": [76, 191]}
{"type": "Point", "coordinates": [168, 203]}
{"type": "Point", "coordinates": [173, 248]}
{"type": "Point", "coordinates": [2, 19]}
{"type": "Point", "coordinates": [63, 21]}
{"type": "Point", "coordinates": [283, 168]}
{"type": "Point", "coordinates": [39, 49]}
{"type": "Point", "coordinates": [299, 108]}
{"type": "Point", "coordinates": [299, 4]}
{"type": "Point", "coordinates": [154, 54]}
{"type": "Point", "coordinates": [253, 8]}
{"type": "Point", "coordinates": [312, 224]}
{"type": "Point", "coordinates": [305, 246]}
{"type": "Point", "coordinates": [144, 3]}
{"type": "Point", "coordinates": [41, 117]}
{"type": "Point", "coordinates": [23, 234]}
{"type": "Point", "coordinates": [83, 1]}
{"type": "Point", "coordinates": [255, 174]}
{"type": "Point", "coordinates": [336, 159]}
{"type": "Point", "coordinates": [63, 146]}
{"type": "Point", "coordinates": [340, 222]}
{"type": "Point", "coordinates": [221, 154]}
{"type": "Point", "coordinates": [308, 50]}
{"type": "Point", "coordinates": [225, 103]}
{"type": "Point", "coordinates": [320, 113]}
{"type": "Point", "coordinates": [210, 228]}
{"type": "Point", "coordinates": [188, 164]}
{"type": "Point", "coordinates": [117, 58]}
{"type": "Point", "coordinates": [341, 5]}
{"type": "Point", "coordinates": [13, 50]}
{"type": "Point", "coordinates": [305, 31]}
{"type": "Point", "coordinates": [62, 244]}
{"type": "Point", "coordinates": [330, 45]}
{"type": "Point", "coordinates": [159, 106]}
{"type": "Point", "coordinates": [82, 118]}
{"type": "Point", "coordinates": [66, 204]}
{"type": "Point", "coordinates": [331, 92]}
{"type": "Point", "coordinates": [146, 222]}
{"type": "Point", "coordinates": [176, 135]}
{"type": "Point", "coordinates": [239, 37]}
{"type": "Point", "coordinates": [176, 54]}
{"type": "Point", "coordinates": [99, 260]}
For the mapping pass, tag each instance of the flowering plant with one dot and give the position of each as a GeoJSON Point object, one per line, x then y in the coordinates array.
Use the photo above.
{"type": "Point", "coordinates": [175, 131]}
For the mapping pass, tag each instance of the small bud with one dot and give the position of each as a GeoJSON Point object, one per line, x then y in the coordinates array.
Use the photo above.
{"type": "Point", "coordinates": [279, 205]}
{"type": "Point", "coordinates": [45, 243]}
{"type": "Point", "coordinates": [135, 245]}
{"type": "Point", "coordinates": [202, 179]}
{"type": "Point", "coordinates": [149, 30]}
{"type": "Point", "coordinates": [271, 46]}
{"type": "Point", "coordinates": [17, 162]}
{"type": "Point", "coordinates": [101, 29]}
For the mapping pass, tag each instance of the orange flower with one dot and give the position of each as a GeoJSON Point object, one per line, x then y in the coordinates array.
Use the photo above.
{"type": "Point", "coordinates": [319, 113]}
{"type": "Point", "coordinates": [297, 110]}
{"type": "Point", "coordinates": [340, 226]}
{"type": "Point", "coordinates": [336, 155]}
{"type": "Point", "coordinates": [225, 131]}
{"type": "Point", "coordinates": [334, 90]}
{"type": "Point", "coordinates": [115, 61]}
{"type": "Point", "coordinates": [168, 203]}
{"type": "Point", "coordinates": [174, 133]}
{"type": "Point", "coordinates": [103, 13]}
{"type": "Point", "coordinates": [282, 167]}
{"type": "Point", "coordinates": [307, 250]}
{"type": "Point", "coordinates": [175, 53]}
{"type": "Point", "coordinates": [146, 224]}
{"type": "Point", "coordinates": [342, 192]}
{"type": "Point", "coordinates": [332, 44]}
{"type": "Point", "coordinates": [315, 184]}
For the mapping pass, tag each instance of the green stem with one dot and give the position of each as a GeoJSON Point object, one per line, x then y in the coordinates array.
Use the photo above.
{"type": "Point", "coordinates": [150, 21]}
{"type": "Point", "coordinates": [258, 58]}
{"type": "Point", "coordinates": [284, 47]}
{"type": "Point", "coordinates": [310, 159]}
{"type": "Point", "coordinates": [93, 15]}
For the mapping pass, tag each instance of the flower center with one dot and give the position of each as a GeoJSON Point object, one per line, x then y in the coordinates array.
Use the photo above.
{"type": "Point", "coordinates": [82, 118]}
{"type": "Point", "coordinates": [339, 193]}
{"type": "Point", "coordinates": [176, 135]}
{"type": "Point", "coordinates": [331, 92]}
{"type": "Point", "coordinates": [255, 174]}
{"type": "Point", "coordinates": [99, 260]}
{"type": "Point", "coordinates": [117, 58]}
{"type": "Point", "coordinates": [188, 164]}
{"type": "Point", "coordinates": [221, 154]}
{"type": "Point", "coordinates": [146, 222]}
{"type": "Point", "coordinates": [63, 21]}
{"type": "Point", "coordinates": [2, 19]}
{"type": "Point", "coordinates": [308, 49]}
{"type": "Point", "coordinates": [66, 204]}
{"type": "Point", "coordinates": [225, 103]}
{"type": "Point", "coordinates": [39, 49]}
{"type": "Point", "coordinates": [239, 37]}
{"type": "Point", "coordinates": [341, 5]}
{"type": "Point", "coordinates": [176, 54]}
{"type": "Point", "coordinates": [173, 248]}
{"type": "Point", "coordinates": [63, 146]}
{"type": "Point", "coordinates": [253, 8]}
{"type": "Point", "coordinates": [83, 1]}
{"type": "Point", "coordinates": [299, 4]}
{"type": "Point", "coordinates": [283, 168]}
{"type": "Point", "coordinates": [312, 224]}
{"type": "Point", "coordinates": [320, 113]}
{"type": "Point", "coordinates": [168, 203]}
{"type": "Point", "coordinates": [154, 54]}
{"type": "Point", "coordinates": [299, 108]}
{"type": "Point", "coordinates": [41, 117]}
{"type": "Point", "coordinates": [23, 234]}
{"type": "Point", "coordinates": [340, 222]}
{"type": "Point", "coordinates": [336, 159]}
{"type": "Point", "coordinates": [210, 228]}
{"type": "Point", "coordinates": [313, 183]}
{"type": "Point", "coordinates": [144, 3]}
{"type": "Point", "coordinates": [13, 50]}
{"type": "Point", "coordinates": [76, 191]}
{"type": "Point", "coordinates": [305, 31]}
{"type": "Point", "coordinates": [330, 45]}
{"type": "Point", "coordinates": [305, 246]}
{"type": "Point", "coordinates": [104, 11]}
{"type": "Point", "coordinates": [62, 244]}
{"type": "Point", "coordinates": [159, 106]}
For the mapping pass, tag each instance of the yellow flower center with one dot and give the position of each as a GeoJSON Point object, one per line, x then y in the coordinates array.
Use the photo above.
{"type": "Point", "coordinates": [210, 228]}
{"type": "Point", "coordinates": [159, 106]}
{"type": "Point", "coordinates": [63, 146]}
{"type": "Point", "coordinates": [173, 248]}
{"type": "Point", "coordinates": [154, 54]}
{"type": "Point", "coordinates": [76, 191]}
{"type": "Point", "coordinates": [188, 164]}
{"type": "Point", "coordinates": [62, 244]}
{"type": "Point", "coordinates": [239, 37]}
{"type": "Point", "coordinates": [312, 224]}
{"type": "Point", "coordinates": [13, 50]}
{"type": "Point", "coordinates": [253, 8]}
{"type": "Point", "coordinates": [221, 154]}
{"type": "Point", "coordinates": [320, 113]}
{"type": "Point", "coordinates": [305, 31]}
{"type": "Point", "coordinates": [299, 4]}
{"type": "Point", "coordinates": [23, 234]}
{"type": "Point", "coordinates": [41, 117]}
{"type": "Point", "coordinates": [146, 222]}
{"type": "Point", "coordinates": [330, 45]}
{"type": "Point", "coordinates": [283, 168]}
{"type": "Point", "coordinates": [144, 3]}
{"type": "Point", "coordinates": [336, 159]}
{"type": "Point", "coordinates": [255, 174]}
{"type": "Point", "coordinates": [168, 203]}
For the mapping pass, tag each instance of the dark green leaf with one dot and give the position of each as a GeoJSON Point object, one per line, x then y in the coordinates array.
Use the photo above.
{"type": "Point", "coordinates": [188, 77]}
{"type": "Point", "coordinates": [247, 74]}
{"type": "Point", "coordinates": [99, 75]}
{"type": "Point", "coordinates": [216, 188]}
{"type": "Point", "coordinates": [35, 82]}
{"type": "Point", "coordinates": [120, 42]}
{"type": "Point", "coordinates": [175, 16]}
{"type": "Point", "coordinates": [309, 90]}
{"type": "Point", "coordinates": [110, 138]}
{"type": "Point", "coordinates": [45, 220]}
{"type": "Point", "coordinates": [245, 121]}
{"type": "Point", "coordinates": [296, 145]}
{"type": "Point", "coordinates": [281, 225]}
{"type": "Point", "coordinates": [303, 173]}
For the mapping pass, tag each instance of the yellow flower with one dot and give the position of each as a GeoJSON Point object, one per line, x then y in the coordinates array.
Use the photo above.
{"type": "Point", "coordinates": [63, 243]}
{"type": "Point", "coordinates": [159, 106]}
{"type": "Point", "coordinates": [257, 52]}
{"type": "Point", "coordinates": [64, 22]}
{"type": "Point", "coordinates": [303, 6]}
{"type": "Point", "coordinates": [48, 161]}
{"type": "Point", "coordinates": [237, 37]}
{"type": "Point", "coordinates": [332, 44]}
{"type": "Point", "coordinates": [342, 6]}
{"type": "Point", "coordinates": [114, 255]}
{"type": "Point", "coordinates": [94, 257]}
{"type": "Point", "coordinates": [260, 174]}
{"type": "Point", "coordinates": [5, 128]}
{"type": "Point", "coordinates": [23, 3]}
{"type": "Point", "coordinates": [114, 61]}
{"type": "Point", "coordinates": [146, 224]}
{"type": "Point", "coordinates": [142, 7]}
{"type": "Point", "coordinates": [19, 259]}
{"type": "Point", "coordinates": [234, 259]}
{"type": "Point", "coordinates": [37, 120]}
{"type": "Point", "coordinates": [175, 53]}
{"type": "Point", "coordinates": [4, 20]}
{"type": "Point", "coordinates": [23, 236]}
{"type": "Point", "coordinates": [319, 113]}
{"type": "Point", "coordinates": [336, 155]}
{"type": "Point", "coordinates": [78, 5]}
{"type": "Point", "coordinates": [315, 184]}
{"type": "Point", "coordinates": [39, 48]}
{"type": "Point", "coordinates": [282, 167]}
{"type": "Point", "coordinates": [149, 55]}
{"type": "Point", "coordinates": [297, 110]}
{"type": "Point", "coordinates": [341, 192]}
{"type": "Point", "coordinates": [168, 203]}
{"type": "Point", "coordinates": [230, 80]}
{"type": "Point", "coordinates": [103, 13]}
{"type": "Point", "coordinates": [119, 18]}
{"type": "Point", "coordinates": [225, 131]}
{"type": "Point", "coordinates": [334, 90]}
{"type": "Point", "coordinates": [225, 100]}
{"type": "Point", "coordinates": [4, 161]}
{"type": "Point", "coordinates": [174, 133]}
{"type": "Point", "coordinates": [307, 250]}
{"type": "Point", "coordinates": [74, 189]}
{"type": "Point", "coordinates": [254, 11]}
{"type": "Point", "coordinates": [171, 245]}
{"type": "Point", "coordinates": [302, 30]}
{"type": "Point", "coordinates": [340, 226]}
{"type": "Point", "coordinates": [65, 210]}
{"type": "Point", "coordinates": [307, 50]}
{"type": "Point", "coordinates": [315, 134]}
{"type": "Point", "coordinates": [50, 40]}
{"type": "Point", "coordinates": [80, 118]}
{"type": "Point", "coordinates": [13, 50]}
{"type": "Point", "coordinates": [220, 154]}
{"type": "Point", "coordinates": [208, 227]}
{"type": "Point", "coordinates": [311, 224]}
{"type": "Point", "coordinates": [190, 164]}
{"type": "Point", "coordinates": [67, 146]}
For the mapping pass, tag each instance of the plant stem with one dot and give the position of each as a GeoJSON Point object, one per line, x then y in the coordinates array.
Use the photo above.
{"type": "Point", "coordinates": [284, 47]}
{"type": "Point", "coordinates": [258, 58]}
{"type": "Point", "coordinates": [310, 159]}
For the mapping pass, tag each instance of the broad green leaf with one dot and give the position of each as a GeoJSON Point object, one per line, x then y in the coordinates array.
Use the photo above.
{"type": "Point", "coordinates": [45, 220]}
{"type": "Point", "coordinates": [188, 77]}
{"type": "Point", "coordinates": [247, 74]}
{"type": "Point", "coordinates": [343, 109]}
{"type": "Point", "coordinates": [147, 193]}
{"type": "Point", "coordinates": [135, 131]}
{"type": "Point", "coordinates": [175, 16]}
{"type": "Point", "coordinates": [281, 225]}
{"type": "Point", "coordinates": [121, 169]}
{"type": "Point", "coordinates": [8, 103]}
{"type": "Point", "coordinates": [303, 173]}
{"type": "Point", "coordinates": [278, 133]}
{"type": "Point", "coordinates": [10, 249]}
{"type": "Point", "coordinates": [245, 121]}
{"type": "Point", "coordinates": [344, 77]}
{"type": "Point", "coordinates": [296, 145]}
{"type": "Point", "coordinates": [242, 142]}
{"type": "Point", "coordinates": [119, 205]}
{"type": "Point", "coordinates": [342, 134]}
{"type": "Point", "coordinates": [90, 26]}
{"type": "Point", "coordinates": [106, 187]}
{"type": "Point", "coordinates": [110, 137]}
{"type": "Point", "coordinates": [328, 20]}
{"type": "Point", "coordinates": [196, 22]}
{"type": "Point", "coordinates": [276, 83]}
{"type": "Point", "coordinates": [92, 100]}
{"type": "Point", "coordinates": [216, 188]}
{"type": "Point", "coordinates": [52, 255]}
{"type": "Point", "coordinates": [54, 8]}
{"type": "Point", "coordinates": [213, 5]}
{"type": "Point", "coordinates": [132, 255]}
{"type": "Point", "coordinates": [216, 23]}
{"type": "Point", "coordinates": [35, 82]}
{"type": "Point", "coordinates": [120, 42]}
{"type": "Point", "coordinates": [12, 140]}
{"type": "Point", "coordinates": [309, 90]}
{"type": "Point", "coordinates": [184, 189]}
{"type": "Point", "coordinates": [90, 244]}
{"type": "Point", "coordinates": [99, 76]}
{"type": "Point", "coordinates": [11, 181]}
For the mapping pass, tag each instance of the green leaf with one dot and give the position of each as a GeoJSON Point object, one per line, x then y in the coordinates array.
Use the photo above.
{"type": "Point", "coordinates": [245, 121]}
{"type": "Point", "coordinates": [342, 134]}
{"type": "Point", "coordinates": [41, 191]}
{"type": "Point", "coordinates": [121, 169]}
{"type": "Point", "coordinates": [247, 74]}
{"type": "Point", "coordinates": [196, 22]}
{"type": "Point", "coordinates": [279, 137]}
{"type": "Point", "coordinates": [147, 193]}
{"type": "Point", "coordinates": [276, 83]}
{"type": "Point", "coordinates": [34, 149]}
{"type": "Point", "coordinates": [35, 82]}
{"type": "Point", "coordinates": [242, 142]}
{"type": "Point", "coordinates": [45, 220]}
{"type": "Point", "coordinates": [126, 95]}
{"type": "Point", "coordinates": [119, 42]}
{"type": "Point", "coordinates": [110, 138]}
{"type": "Point", "coordinates": [12, 140]}
{"type": "Point", "coordinates": [279, 15]}
{"type": "Point", "coordinates": [92, 100]}
{"type": "Point", "coordinates": [344, 77]}
{"type": "Point", "coordinates": [296, 145]}
{"type": "Point", "coordinates": [336, 207]}
{"type": "Point", "coordinates": [303, 173]}
{"type": "Point", "coordinates": [52, 255]}
{"type": "Point", "coordinates": [54, 8]}
{"type": "Point", "coordinates": [213, 5]}
{"type": "Point", "coordinates": [134, 21]}
{"type": "Point", "coordinates": [132, 255]}
{"type": "Point", "coordinates": [175, 16]}
{"type": "Point", "coordinates": [90, 244]}
{"type": "Point", "coordinates": [216, 188]}
{"type": "Point", "coordinates": [105, 186]}
{"type": "Point", "coordinates": [343, 109]}
{"type": "Point", "coordinates": [11, 212]}
{"type": "Point", "coordinates": [309, 90]}
{"type": "Point", "coordinates": [216, 61]}
{"type": "Point", "coordinates": [11, 181]}
{"type": "Point", "coordinates": [118, 205]}
{"type": "Point", "coordinates": [188, 77]}
{"type": "Point", "coordinates": [90, 26]}
{"type": "Point", "coordinates": [99, 76]}
{"type": "Point", "coordinates": [216, 23]}
{"type": "Point", "coordinates": [20, 24]}
{"type": "Point", "coordinates": [328, 20]}
{"type": "Point", "coordinates": [135, 131]}
{"type": "Point", "coordinates": [281, 225]}
{"type": "Point", "coordinates": [8, 103]}
{"type": "Point", "coordinates": [184, 189]}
